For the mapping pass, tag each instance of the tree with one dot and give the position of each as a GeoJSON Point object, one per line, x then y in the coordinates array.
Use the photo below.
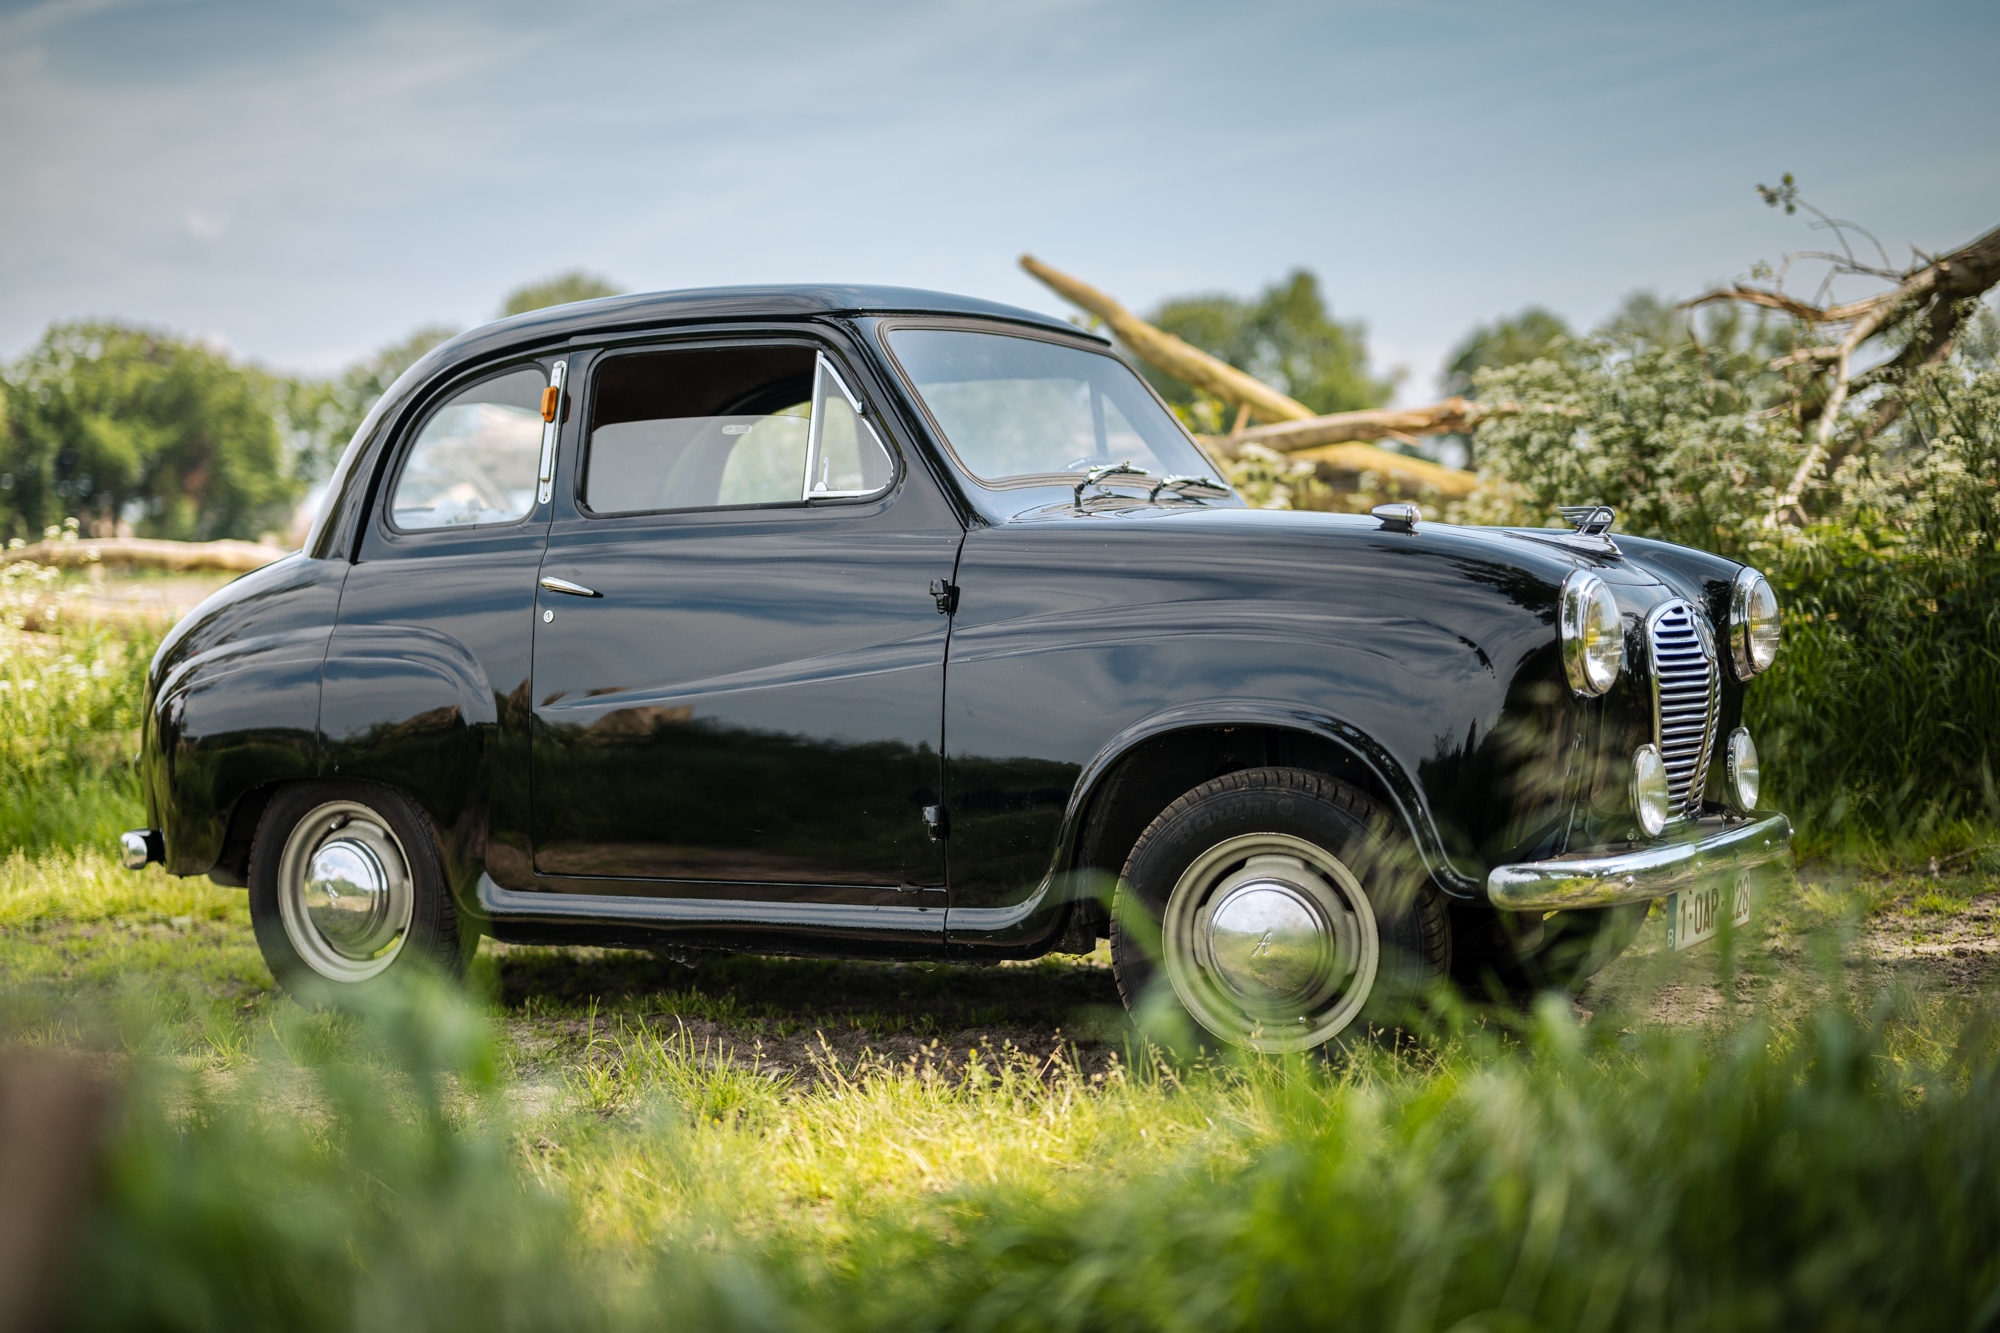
{"type": "Point", "coordinates": [575, 285]}
{"type": "Point", "coordinates": [111, 422]}
{"type": "Point", "coordinates": [321, 415]}
{"type": "Point", "coordinates": [1508, 341]}
{"type": "Point", "coordinates": [1285, 337]}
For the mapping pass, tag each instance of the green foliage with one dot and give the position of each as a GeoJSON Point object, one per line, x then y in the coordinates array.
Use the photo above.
{"type": "Point", "coordinates": [1842, 1174]}
{"type": "Point", "coordinates": [70, 705]}
{"type": "Point", "coordinates": [575, 285]}
{"type": "Point", "coordinates": [1510, 341]}
{"type": "Point", "coordinates": [1887, 697]}
{"type": "Point", "coordinates": [1677, 440]}
{"type": "Point", "coordinates": [106, 420]}
{"type": "Point", "coordinates": [1285, 336]}
{"type": "Point", "coordinates": [321, 415]}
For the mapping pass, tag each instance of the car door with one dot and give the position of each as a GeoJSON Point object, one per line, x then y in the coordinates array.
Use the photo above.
{"type": "Point", "coordinates": [426, 673]}
{"type": "Point", "coordinates": [738, 661]}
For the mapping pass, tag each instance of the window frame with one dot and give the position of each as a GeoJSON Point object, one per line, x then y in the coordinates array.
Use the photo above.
{"type": "Point", "coordinates": [406, 449]}
{"type": "Point", "coordinates": [824, 364]}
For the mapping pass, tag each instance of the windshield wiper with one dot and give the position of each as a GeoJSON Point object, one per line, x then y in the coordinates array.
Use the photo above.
{"type": "Point", "coordinates": [1186, 485]}
{"type": "Point", "coordinates": [1189, 487]}
{"type": "Point", "coordinates": [1104, 471]}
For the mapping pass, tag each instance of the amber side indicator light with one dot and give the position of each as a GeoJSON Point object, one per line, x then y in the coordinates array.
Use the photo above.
{"type": "Point", "coordinates": [550, 397]}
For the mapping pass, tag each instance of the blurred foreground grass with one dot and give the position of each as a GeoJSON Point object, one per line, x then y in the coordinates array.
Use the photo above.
{"type": "Point", "coordinates": [599, 1140]}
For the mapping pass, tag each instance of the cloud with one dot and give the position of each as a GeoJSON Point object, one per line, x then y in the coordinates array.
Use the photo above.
{"type": "Point", "coordinates": [203, 225]}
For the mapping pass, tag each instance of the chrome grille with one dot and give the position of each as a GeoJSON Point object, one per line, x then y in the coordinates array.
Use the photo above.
{"type": "Point", "coordinates": [1687, 696]}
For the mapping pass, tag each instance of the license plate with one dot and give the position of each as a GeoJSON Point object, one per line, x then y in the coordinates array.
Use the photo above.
{"type": "Point", "coordinates": [1696, 915]}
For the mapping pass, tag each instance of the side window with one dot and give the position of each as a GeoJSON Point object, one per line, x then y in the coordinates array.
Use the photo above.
{"type": "Point", "coordinates": [846, 458]}
{"type": "Point", "coordinates": [706, 427]}
{"type": "Point", "coordinates": [475, 460]}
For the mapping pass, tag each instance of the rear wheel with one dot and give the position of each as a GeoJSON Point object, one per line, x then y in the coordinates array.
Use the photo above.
{"type": "Point", "coordinates": [347, 891]}
{"type": "Point", "coordinates": [1274, 907]}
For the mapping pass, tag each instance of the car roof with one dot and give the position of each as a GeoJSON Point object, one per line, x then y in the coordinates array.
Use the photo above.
{"type": "Point", "coordinates": [804, 301]}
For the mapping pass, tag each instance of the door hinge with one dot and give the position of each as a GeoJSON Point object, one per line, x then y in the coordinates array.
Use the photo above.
{"type": "Point", "coordinates": [946, 595]}
{"type": "Point", "coordinates": [937, 822]}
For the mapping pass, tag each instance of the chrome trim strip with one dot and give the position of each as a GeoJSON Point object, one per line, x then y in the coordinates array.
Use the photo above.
{"type": "Point", "coordinates": [545, 476]}
{"type": "Point", "coordinates": [1567, 882]}
{"type": "Point", "coordinates": [616, 909]}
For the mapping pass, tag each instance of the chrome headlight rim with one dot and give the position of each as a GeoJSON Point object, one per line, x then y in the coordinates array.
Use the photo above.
{"type": "Point", "coordinates": [1743, 772]}
{"type": "Point", "coordinates": [1593, 635]}
{"type": "Point", "coordinates": [1751, 654]}
{"type": "Point", "coordinates": [1652, 797]}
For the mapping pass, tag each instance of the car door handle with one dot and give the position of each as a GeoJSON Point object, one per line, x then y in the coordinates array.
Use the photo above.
{"type": "Point", "coordinates": [573, 589]}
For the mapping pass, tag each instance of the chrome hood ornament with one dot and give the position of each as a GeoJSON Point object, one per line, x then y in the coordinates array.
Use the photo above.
{"type": "Point", "coordinates": [1593, 527]}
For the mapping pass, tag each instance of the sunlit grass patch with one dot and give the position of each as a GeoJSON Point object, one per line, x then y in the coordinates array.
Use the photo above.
{"type": "Point", "coordinates": [78, 885]}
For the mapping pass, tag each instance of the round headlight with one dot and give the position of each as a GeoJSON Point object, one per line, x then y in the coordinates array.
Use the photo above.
{"type": "Point", "coordinates": [1651, 800]}
{"type": "Point", "coordinates": [1741, 765]}
{"type": "Point", "coordinates": [1753, 624]}
{"type": "Point", "coordinates": [1593, 634]}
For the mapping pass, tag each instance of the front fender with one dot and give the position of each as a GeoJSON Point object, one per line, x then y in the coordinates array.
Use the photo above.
{"type": "Point", "coordinates": [233, 703]}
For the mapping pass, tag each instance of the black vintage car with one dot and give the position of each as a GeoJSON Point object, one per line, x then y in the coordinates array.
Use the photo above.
{"type": "Point", "coordinates": [876, 622]}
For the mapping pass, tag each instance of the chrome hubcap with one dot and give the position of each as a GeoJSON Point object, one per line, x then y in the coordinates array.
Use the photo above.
{"type": "Point", "coordinates": [344, 892]}
{"type": "Point", "coordinates": [1270, 942]}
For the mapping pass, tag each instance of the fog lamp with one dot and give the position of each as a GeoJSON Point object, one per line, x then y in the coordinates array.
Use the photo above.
{"type": "Point", "coordinates": [1593, 634]}
{"type": "Point", "coordinates": [1741, 766]}
{"type": "Point", "coordinates": [1651, 800]}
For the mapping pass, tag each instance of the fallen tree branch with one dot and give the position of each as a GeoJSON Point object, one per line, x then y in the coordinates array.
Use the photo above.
{"type": "Point", "coordinates": [1162, 349]}
{"type": "Point", "coordinates": [1336, 464]}
{"type": "Point", "coordinates": [1293, 426]}
{"type": "Point", "coordinates": [146, 553]}
{"type": "Point", "coordinates": [1453, 416]}
{"type": "Point", "coordinates": [1933, 291]}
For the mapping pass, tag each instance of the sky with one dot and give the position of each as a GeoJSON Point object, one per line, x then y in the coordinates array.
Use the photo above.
{"type": "Point", "coordinates": [303, 183]}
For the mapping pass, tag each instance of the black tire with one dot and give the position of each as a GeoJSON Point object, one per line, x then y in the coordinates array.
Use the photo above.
{"type": "Point", "coordinates": [409, 926]}
{"type": "Point", "coordinates": [1324, 849]}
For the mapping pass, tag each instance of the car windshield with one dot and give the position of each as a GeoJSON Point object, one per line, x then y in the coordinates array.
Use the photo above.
{"type": "Point", "coordinates": [1013, 408]}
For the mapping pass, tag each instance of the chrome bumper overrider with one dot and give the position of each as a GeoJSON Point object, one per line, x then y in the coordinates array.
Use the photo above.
{"type": "Point", "coordinates": [1654, 871]}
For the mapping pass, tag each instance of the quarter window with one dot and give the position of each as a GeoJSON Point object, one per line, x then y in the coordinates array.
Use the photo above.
{"type": "Point", "coordinates": [475, 460]}
{"type": "Point", "coordinates": [700, 428]}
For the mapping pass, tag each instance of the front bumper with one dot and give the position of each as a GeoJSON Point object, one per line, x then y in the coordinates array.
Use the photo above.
{"type": "Point", "coordinates": [1709, 849]}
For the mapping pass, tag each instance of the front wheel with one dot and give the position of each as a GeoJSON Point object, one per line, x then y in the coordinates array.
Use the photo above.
{"type": "Point", "coordinates": [1279, 906]}
{"type": "Point", "coordinates": [347, 890]}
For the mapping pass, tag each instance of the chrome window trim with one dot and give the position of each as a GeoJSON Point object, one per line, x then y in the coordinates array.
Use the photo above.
{"type": "Point", "coordinates": [823, 371]}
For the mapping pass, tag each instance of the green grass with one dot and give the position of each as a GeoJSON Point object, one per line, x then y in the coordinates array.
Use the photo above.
{"type": "Point", "coordinates": [1785, 1131]}
{"type": "Point", "coordinates": [596, 1139]}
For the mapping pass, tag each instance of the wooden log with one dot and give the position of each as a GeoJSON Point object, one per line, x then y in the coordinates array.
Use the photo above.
{"type": "Point", "coordinates": [1335, 461]}
{"type": "Point", "coordinates": [1452, 416]}
{"type": "Point", "coordinates": [147, 553]}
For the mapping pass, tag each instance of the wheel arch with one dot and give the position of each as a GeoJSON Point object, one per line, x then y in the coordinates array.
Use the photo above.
{"type": "Point", "coordinates": [1111, 803]}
